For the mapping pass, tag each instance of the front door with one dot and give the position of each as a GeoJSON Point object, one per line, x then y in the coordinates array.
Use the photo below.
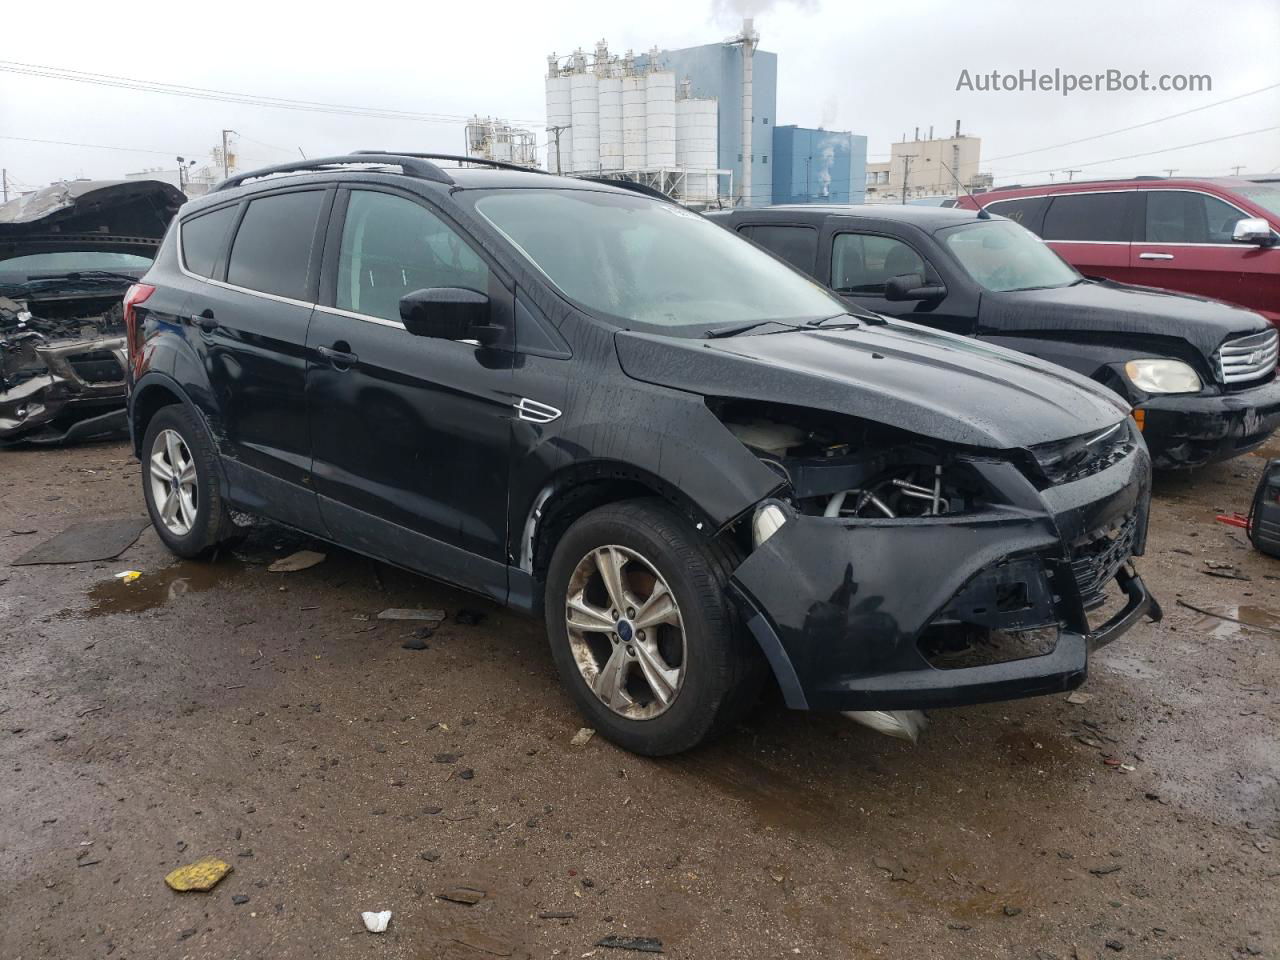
{"type": "Point", "coordinates": [410, 436]}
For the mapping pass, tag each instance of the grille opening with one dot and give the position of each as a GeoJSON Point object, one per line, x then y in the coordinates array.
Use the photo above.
{"type": "Point", "coordinates": [955, 646]}
{"type": "Point", "coordinates": [1246, 359]}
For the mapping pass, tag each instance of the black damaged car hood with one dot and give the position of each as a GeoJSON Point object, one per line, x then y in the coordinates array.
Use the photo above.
{"type": "Point", "coordinates": [118, 216]}
{"type": "Point", "coordinates": [1105, 308]}
{"type": "Point", "coordinates": [952, 389]}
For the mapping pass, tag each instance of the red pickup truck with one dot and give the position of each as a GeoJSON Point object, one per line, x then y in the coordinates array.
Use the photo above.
{"type": "Point", "coordinates": [1217, 238]}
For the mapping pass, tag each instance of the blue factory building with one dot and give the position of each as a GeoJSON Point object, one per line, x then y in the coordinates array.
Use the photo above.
{"type": "Point", "coordinates": [818, 166]}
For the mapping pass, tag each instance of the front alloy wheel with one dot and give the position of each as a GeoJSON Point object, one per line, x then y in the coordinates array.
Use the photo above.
{"type": "Point", "coordinates": [625, 632]}
{"type": "Point", "coordinates": [173, 482]}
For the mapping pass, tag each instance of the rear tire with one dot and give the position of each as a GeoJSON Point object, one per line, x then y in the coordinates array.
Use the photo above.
{"type": "Point", "coordinates": [674, 669]}
{"type": "Point", "coordinates": [180, 484]}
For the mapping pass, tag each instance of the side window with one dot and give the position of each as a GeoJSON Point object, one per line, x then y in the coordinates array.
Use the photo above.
{"type": "Point", "coordinates": [862, 262]}
{"type": "Point", "coordinates": [1178, 216]}
{"type": "Point", "coordinates": [796, 245]}
{"type": "Point", "coordinates": [272, 248]}
{"type": "Point", "coordinates": [392, 246]}
{"type": "Point", "coordinates": [203, 238]}
{"type": "Point", "coordinates": [1025, 211]}
{"type": "Point", "coordinates": [1099, 217]}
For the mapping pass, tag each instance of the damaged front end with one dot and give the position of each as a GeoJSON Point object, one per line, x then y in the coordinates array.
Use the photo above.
{"type": "Point", "coordinates": [68, 253]}
{"type": "Point", "coordinates": [62, 373]}
{"type": "Point", "coordinates": [892, 572]}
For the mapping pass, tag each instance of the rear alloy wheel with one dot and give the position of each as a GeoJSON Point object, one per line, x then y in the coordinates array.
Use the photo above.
{"type": "Point", "coordinates": [642, 633]}
{"type": "Point", "coordinates": [173, 482]}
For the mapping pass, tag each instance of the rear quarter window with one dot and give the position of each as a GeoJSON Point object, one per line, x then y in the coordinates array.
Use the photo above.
{"type": "Point", "coordinates": [1099, 217]}
{"type": "Point", "coordinates": [203, 239]}
{"type": "Point", "coordinates": [796, 245]}
{"type": "Point", "coordinates": [1024, 211]}
{"type": "Point", "coordinates": [272, 248]}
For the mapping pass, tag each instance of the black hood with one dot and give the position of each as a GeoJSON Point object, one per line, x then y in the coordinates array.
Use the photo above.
{"type": "Point", "coordinates": [116, 216]}
{"type": "Point", "coordinates": [949, 388]}
{"type": "Point", "coordinates": [1105, 308]}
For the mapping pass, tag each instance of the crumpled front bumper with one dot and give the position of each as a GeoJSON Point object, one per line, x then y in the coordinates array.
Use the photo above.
{"type": "Point", "coordinates": [80, 394]}
{"type": "Point", "coordinates": [839, 605]}
{"type": "Point", "coordinates": [1192, 430]}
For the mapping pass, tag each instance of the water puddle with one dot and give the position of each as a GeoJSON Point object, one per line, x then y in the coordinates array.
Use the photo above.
{"type": "Point", "coordinates": [1252, 619]}
{"type": "Point", "coordinates": [154, 589]}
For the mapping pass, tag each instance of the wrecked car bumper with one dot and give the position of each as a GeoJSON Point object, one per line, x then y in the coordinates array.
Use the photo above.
{"type": "Point", "coordinates": [846, 610]}
{"type": "Point", "coordinates": [77, 393]}
{"type": "Point", "coordinates": [1190, 431]}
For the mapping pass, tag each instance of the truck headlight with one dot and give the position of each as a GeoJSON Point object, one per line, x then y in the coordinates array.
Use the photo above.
{"type": "Point", "coordinates": [1162, 376]}
{"type": "Point", "coordinates": [767, 521]}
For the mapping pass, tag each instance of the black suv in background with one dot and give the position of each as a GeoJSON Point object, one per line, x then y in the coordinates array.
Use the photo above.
{"type": "Point", "coordinates": [1200, 374]}
{"type": "Point", "coordinates": [700, 465]}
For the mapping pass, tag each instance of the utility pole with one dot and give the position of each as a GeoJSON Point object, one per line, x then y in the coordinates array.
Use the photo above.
{"type": "Point", "coordinates": [1170, 171]}
{"type": "Point", "coordinates": [1071, 174]}
{"type": "Point", "coordinates": [4, 178]}
{"type": "Point", "coordinates": [1235, 171]}
{"type": "Point", "coordinates": [906, 170]}
{"type": "Point", "coordinates": [555, 132]}
{"type": "Point", "coordinates": [226, 170]}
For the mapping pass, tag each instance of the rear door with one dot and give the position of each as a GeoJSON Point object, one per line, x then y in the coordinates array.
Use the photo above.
{"type": "Point", "coordinates": [1092, 231]}
{"type": "Point", "coordinates": [250, 320]}
{"type": "Point", "coordinates": [411, 436]}
{"type": "Point", "coordinates": [1185, 244]}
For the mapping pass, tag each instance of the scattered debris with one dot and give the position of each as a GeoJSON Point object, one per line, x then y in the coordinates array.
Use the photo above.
{"type": "Point", "coordinates": [1223, 616]}
{"type": "Point", "coordinates": [86, 542]}
{"type": "Point", "coordinates": [1079, 698]}
{"type": "Point", "coordinates": [414, 642]}
{"type": "Point", "coordinates": [201, 875]}
{"type": "Point", "coordinates": [128, 576]}
{"type": "Point", "coordinates": [376, 922]}
{"type": "Point", "coordinates": [301, 560]}
{"type": "Point", "coordinates": [896, 869]}
{"type": "Point", "coordinates": [401, 613]}
{"type": "Point", "coordinates": [469, 896]}
{"type": "Point", "coordinates": [902, 724]}
{"type": "Point", "coordinates": [446, 758]}
{"type": "Point", "coordinates": [1103, 871]}
{"type": "Point", "coordinates": [1228, 571]}
{"type": "Point", "coordinates": [431, 856]}
{"type": "Point", "coordinates": [1012, 911]}
{"type": "Point", "coordinates": [642, 944]}
{"type": "Point", "coordinates": [581, 737]}
{"type": "Point", "coordinates": [239, 899]}
{"type": "Point", "coordinates": [557, 915]}
{"type": "Point", "coordinates": [1115, 945]}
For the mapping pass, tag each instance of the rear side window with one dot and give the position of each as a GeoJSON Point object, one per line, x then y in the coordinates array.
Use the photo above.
{"type": "Point", "coordinates": [1099, 217]}
{"type": "Point", "coordinates": [862, 263]}
{"type": "Point", "coordinates": [203, 238]}
{"type": "Point", "coordinates": [1025, 211]}
{"type": "Point", "coordinates": [796, 245]}
{"type": "Point", "coordinates": [1178, 216]}
{"type": "Point", "coordinates": [272, 249]}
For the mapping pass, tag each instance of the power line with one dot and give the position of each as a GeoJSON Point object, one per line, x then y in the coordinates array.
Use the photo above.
{"type": "Point", "coordinates": [1136, 126]}
{"type": "Point", "coordinates": [227, 96]}
{"type": "Point", "coordinates": [96, 146]}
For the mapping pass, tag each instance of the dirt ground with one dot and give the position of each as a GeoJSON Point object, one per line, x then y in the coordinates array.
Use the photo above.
{"type": "Point", "coordinates": [218, 709]}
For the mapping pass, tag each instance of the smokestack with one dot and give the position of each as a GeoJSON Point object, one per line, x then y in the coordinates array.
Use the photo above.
{"type": "Point", "coordinates": [917, 137]}
{"type": "Point", "coordinates": [931, 131]}
{"type": "Point", "coordinates": [957, 128]}
{"type": "Point", "coordinates": [748, 52]}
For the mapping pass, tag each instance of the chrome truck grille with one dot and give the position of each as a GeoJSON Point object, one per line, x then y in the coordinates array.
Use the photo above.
{"type": "Point", "coordinates": [1248, 358]}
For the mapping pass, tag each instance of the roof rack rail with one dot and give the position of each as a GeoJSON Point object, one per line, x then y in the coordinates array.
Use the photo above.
{"type": "Point", "coordinates": [413, 166]}
{"type": "Point", "coordinates": [458, 158]}
{"type": "Point", "coordinates": [641, 188]}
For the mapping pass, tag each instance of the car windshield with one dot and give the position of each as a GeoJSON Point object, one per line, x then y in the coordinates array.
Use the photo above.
{"type": "Point", "coordinates": [1001, 256]}
{"type": "Point", "coordinates": [639, 261]}
{"type": "Point", "coordinates": [19, 269]}
{"type": "Point", "coordinates": [1268, 198]}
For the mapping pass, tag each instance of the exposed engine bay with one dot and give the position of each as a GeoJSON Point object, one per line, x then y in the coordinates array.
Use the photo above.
{"type": "Point", "coordinates": [875, 472]}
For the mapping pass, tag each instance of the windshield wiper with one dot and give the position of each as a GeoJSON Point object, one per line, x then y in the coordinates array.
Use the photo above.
{"type": "Point", "coordinates": [76, 276]}
{"type": "Point", "coordinates": [733, 331]}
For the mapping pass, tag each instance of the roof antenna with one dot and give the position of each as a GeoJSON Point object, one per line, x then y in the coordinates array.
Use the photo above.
{"type": "Point", "coordinates": [982, 211]}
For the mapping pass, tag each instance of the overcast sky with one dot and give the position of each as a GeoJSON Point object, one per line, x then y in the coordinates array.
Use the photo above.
{"type": "Point", "coordinates": [877, 69]}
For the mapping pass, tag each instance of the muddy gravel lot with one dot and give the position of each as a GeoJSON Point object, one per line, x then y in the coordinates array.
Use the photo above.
{"type": "Point", "coordinates": [271, 720]}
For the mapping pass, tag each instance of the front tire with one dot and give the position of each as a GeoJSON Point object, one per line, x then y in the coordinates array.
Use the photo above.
{"type": "Point", "coordinates": [641, 631]}
{"type": "Point", "coordinates": [180, 484]}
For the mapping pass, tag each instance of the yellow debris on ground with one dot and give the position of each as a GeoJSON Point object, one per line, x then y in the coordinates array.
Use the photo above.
{"type": "Point", "coordinates": [201, 875]}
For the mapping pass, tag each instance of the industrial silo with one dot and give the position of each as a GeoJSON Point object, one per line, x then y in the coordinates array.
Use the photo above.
{"type": "Point", "coordinates": [696, 145]}
{"type": "Point", "coordinates": [660, 115]}
{"type": "Point", "coordinates": [634, 126]}
{"type": "Point", "coordinates": [584, 101]}
{"type": "Point", "coordinates": [559, 114]}
{"type": "Point", "coordinates": [611, 150]}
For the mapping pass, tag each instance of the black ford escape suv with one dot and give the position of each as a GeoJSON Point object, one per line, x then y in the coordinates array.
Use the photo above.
{"type": "Point", "coordinates": [699, 465]}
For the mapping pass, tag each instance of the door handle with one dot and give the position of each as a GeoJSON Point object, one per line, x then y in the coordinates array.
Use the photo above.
{"type": "Point", "coordinates": [205, 321]}
{"type": "Point", "coordinates": [1155, 256]}
{"type": "Point", "coordinates": [339, 355]}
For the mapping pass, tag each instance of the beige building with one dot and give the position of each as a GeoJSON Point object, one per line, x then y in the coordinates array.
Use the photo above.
{"type": "Point", "coordinates": [926, 166]}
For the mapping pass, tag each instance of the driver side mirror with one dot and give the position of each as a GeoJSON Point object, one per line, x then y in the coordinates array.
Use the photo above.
{"type": "Point", "coordinates": [911, 286]}
{"type": "Point", "coordinates": [449, 313]}
{"type": "Point", "coordinates": [1253, 230]}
